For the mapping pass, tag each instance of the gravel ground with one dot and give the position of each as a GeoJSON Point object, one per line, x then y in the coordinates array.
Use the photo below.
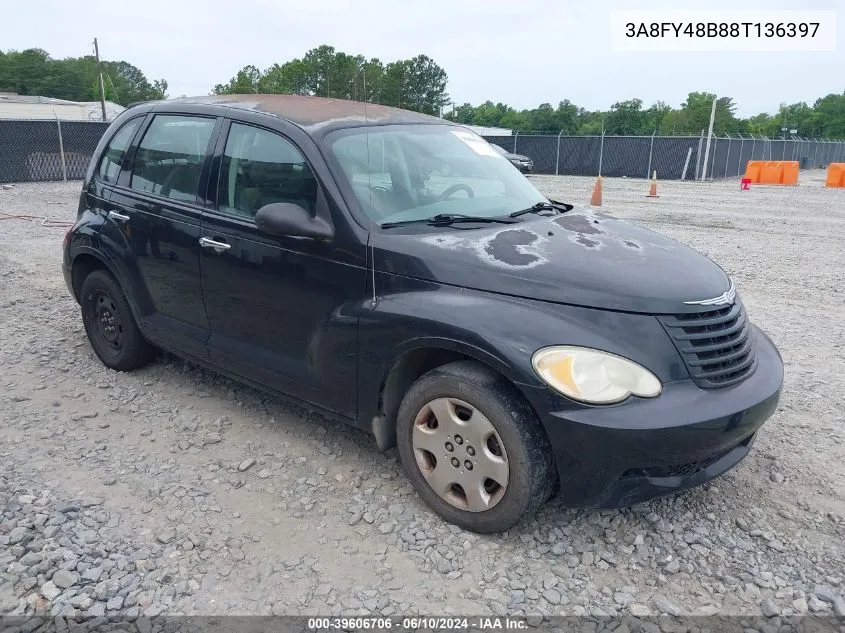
{"type": "Point", "coordinates": [174, 490]}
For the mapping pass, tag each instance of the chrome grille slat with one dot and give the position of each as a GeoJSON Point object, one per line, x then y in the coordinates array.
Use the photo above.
{"type": "Point", "coordinates": [715, 344]}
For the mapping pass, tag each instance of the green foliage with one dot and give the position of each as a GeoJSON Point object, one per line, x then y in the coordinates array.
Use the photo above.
{"type": "Point", "coordinates": [825, 118]}
{"type": "Point", "coordinates": [414, 84]}
{"type": "Point", "coordinates": [34, 72]}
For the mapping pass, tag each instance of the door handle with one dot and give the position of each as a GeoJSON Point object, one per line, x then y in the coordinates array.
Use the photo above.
{"type": "Point", "coordinates": [207, 242]}
{"type": "Point", "coordinates": [114, 215]}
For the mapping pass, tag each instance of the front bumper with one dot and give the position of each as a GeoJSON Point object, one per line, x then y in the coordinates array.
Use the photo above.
{"type": "Point", "coordinates": [615, 456]}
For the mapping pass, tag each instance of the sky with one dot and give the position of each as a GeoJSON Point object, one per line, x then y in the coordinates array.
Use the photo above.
{"type": "Point", "coordinates": [519, 52]}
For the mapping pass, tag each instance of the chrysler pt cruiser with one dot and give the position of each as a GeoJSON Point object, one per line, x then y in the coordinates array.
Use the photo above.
{"type": "Point", "coordinates": [397, 272]}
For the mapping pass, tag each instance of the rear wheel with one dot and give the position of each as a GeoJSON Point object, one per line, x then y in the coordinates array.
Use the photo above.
{"type": "Point", "coordinates": [109, 324]}
{"type": "Point", "coordinates": [473, 448]}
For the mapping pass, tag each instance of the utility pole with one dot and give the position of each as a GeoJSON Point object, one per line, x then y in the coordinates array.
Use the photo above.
{"type": "Point", "coordinates": [100, 72]}
{"type": "Point", "coordinates": [709, 136]}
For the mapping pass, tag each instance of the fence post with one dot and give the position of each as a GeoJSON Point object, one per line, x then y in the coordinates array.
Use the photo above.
{"type": "Point", "coordinates": [739, 160]}
{"type": "Point", "coordinates": [728, 156]}
{"type": "Point", "coordinates": [650, 152]}
{"type": "Point", "coordinates": [712, 160]}
{"type": "Point", "coordinates": [601, 151]}
{"type": "Point", "coordinates": [698, 154]}
{"type": "Point", "coordinates": [515, 137]}
{"type": "Point", "coordinates": [686, 164]}
{"type": "Point", "coordinates": [557, 160]}
{"type": "Point", "coordinates": [61, 149]}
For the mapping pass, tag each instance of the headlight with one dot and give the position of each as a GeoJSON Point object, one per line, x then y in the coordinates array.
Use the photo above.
{"type": "Point", "coordinates": [593, 376]}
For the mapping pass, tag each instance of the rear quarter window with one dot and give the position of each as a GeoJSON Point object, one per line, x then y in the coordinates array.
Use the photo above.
{"type": "Point", "coordinates": [112, 158]}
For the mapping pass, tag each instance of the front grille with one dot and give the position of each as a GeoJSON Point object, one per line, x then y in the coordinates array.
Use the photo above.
{"type": "Point", "coordinates": [681, 470]}
{"type": "Point", "coordinates": [716, 345]}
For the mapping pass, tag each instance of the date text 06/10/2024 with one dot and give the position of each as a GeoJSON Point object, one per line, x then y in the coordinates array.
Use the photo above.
{"type": "Point", "coordinates": [415, 623]}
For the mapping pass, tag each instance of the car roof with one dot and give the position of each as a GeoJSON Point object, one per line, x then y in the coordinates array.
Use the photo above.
{"type": "Point", "coordinates": [316, 115]}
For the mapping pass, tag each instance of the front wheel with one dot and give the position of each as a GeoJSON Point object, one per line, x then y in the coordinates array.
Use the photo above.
{"type": "Point", "coordinates": [473, 448]}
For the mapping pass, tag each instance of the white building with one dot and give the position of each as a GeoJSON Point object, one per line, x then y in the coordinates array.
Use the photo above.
{"type": "Point", "coordinates": [21, 107]}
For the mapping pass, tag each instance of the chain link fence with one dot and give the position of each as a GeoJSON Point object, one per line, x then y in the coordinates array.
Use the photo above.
{"type": "Point", "coordinates": [38, 150]}
{"type": "Point", "coordinates": [672, 157]}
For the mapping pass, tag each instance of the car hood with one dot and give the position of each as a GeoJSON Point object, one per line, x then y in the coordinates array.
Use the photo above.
{"type": "Point", "coordinates": [578, 258]}
{"type": "Point", "coordinates": [517, 157]}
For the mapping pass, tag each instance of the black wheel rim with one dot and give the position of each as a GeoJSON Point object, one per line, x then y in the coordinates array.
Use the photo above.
{"type": "Point", "coordinates": [108, 326]}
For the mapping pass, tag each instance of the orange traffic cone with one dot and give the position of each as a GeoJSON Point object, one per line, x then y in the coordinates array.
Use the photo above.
{"type": "Point", "coordinates": [652, 190]}
{"type": "Point", "coordinates": [595, 199]}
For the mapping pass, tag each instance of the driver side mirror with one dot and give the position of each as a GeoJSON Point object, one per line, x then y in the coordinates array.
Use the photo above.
{"type": "Point", "coordinates": [286, 218]}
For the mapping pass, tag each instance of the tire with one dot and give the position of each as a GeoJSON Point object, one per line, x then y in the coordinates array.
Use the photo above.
{"type": "Point", "coordinates": [515, 437]}
{"type": "Point", "coordinates": [109, 324]}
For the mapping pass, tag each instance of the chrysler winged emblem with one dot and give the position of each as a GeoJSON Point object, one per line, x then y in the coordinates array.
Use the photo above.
{"type": "Point", "coordinates": [726, 298]}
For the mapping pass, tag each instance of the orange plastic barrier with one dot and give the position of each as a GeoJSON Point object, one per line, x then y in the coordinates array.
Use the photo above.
{"type": "Point", "coordinates": [835, 175]}
{"type": "Point", "coordinates": [772, 172]}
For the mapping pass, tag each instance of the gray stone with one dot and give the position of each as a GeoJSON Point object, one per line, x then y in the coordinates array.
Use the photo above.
{"type": "Point", "coordinates": [623, 599]}
{"type": "Point", "coordinates": [50, 590]}
{"type": "Point", "coordinates": [639, 610]}
{"type": "Point", "coordinates": [64, 578]}
{"type": "Point", "coordinates": [777, 477]}
{"type": "Point", "coordinates": [815, 604]}
{"type": "Point", "coordinates": [165, 536]}
{"type": "Point", "coordinates": [8, 601]}
{"type": "Point", "coordinates": [825, 592]}
{"type": "Point", "coordinates": [799, 605]}
{"type": "Point", "coordinates": [839, 606]}
{"type": "Point", "coordinates": [246, 464]}
{"type": "Point", "coordinates": [587, 558]}
{"type": "Point", "coordinates": [97, 610]}
{"type": "Point", "coordinates": [213, 438]}
{"type": "Point", "coordinates": [115, 603]}
{"type": "Point", "coordinates": [664, 606]}
{"type": "Point", "coordinates": [769, 608]}
{"type": "Point", "coordinates": [552, 596]}
{"type": "Point", "coordinates": [31, 558]}
{"type": "Point", "coordinates": [19, 535]}
{"type": "Point", "coordinates": [673, 566]}
{"type": "Point", "coordinates": [93, 574]}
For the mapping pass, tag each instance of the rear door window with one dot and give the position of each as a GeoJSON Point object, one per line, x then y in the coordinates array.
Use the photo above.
{"type": "Point", "coordinates": [170, 156]}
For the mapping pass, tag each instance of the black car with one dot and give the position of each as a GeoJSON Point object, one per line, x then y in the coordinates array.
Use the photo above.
{"type": "Point", "coordinates": [522, 163]}
{"type": "Point", "coordinates": [510, 346]}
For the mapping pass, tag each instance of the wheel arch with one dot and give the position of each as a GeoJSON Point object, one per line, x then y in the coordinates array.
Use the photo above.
{"type": "Point", "coordinates": [416, 358]}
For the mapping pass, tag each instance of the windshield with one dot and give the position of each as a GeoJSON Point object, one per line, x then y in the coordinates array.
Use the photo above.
{"type": "Point", "coordinates": [412, 172]}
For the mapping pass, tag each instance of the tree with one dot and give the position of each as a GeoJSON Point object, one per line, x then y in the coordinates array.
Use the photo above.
{"type": "Point", "coordinates": [625, 117]}
{"type": "Point", "coordinates": [697, 109]}
{"type": "Point", "coordinates": [34, 72]}
{"type": "Point", "coordinates": [416, 84]}
{"type": "Point", "coordinates": [830, 111]}
{"type": "Point", "coordinates": [244, 82]}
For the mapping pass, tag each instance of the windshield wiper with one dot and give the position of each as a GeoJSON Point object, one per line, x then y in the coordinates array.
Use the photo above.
{"type": "Point", "coordinates": [550, 205]}
{"type": "Point", "coordinates": [446, 219]}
